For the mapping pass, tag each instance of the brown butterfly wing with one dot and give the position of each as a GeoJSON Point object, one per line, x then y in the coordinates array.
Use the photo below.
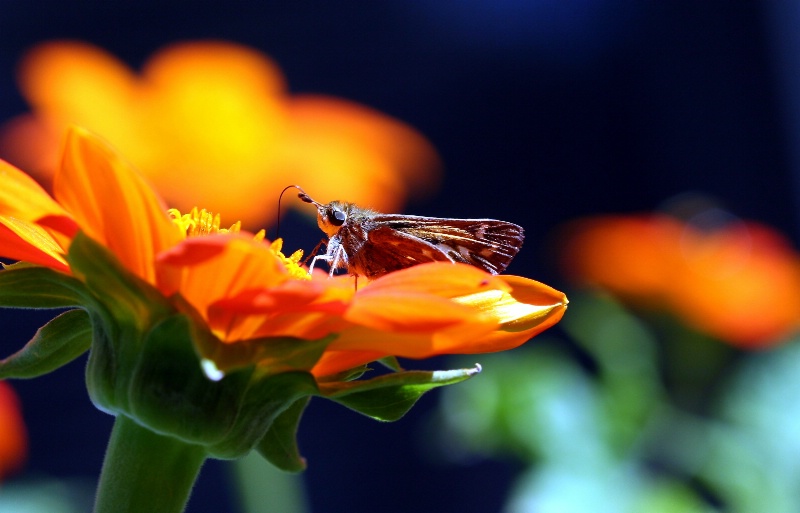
{"type": "Point", "coordinates": [485, 243]}
{"type": "Point", "coordinates": [386, 249]}
{"type": "Point", "coordinates": [394, 242]}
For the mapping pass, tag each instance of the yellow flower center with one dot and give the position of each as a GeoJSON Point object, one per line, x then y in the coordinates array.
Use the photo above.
{"type": "Point", "coordinates": [292, 262]}
{"type": "Point", "coordinates": [200, 222]}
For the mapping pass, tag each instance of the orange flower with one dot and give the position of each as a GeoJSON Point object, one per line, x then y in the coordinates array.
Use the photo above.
{"type": "Point", "coordinates": [204, 110]}
{"type": "Point", "coordinates": [630, 256]}
{"type": "Point", "coordinates": [13, 438]}
{"type": "Point", "coordinates": [740, 283]}
{"type": "Point", "coordinates": [244, 288]}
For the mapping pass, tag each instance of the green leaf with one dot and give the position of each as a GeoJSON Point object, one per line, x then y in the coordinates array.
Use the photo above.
{"type": "Point", "coordinates": [279, 445]}
{"type": "Point", "coordinates": [130, 300]}
{"type": "Point", "coordinates": [264, 401]}
{"type": "Point", "coordinates": [389, 397]}
{"type": "Point", "coordinates": [24, 285]}
{"type": "Point", "coordinates": [55, 344]}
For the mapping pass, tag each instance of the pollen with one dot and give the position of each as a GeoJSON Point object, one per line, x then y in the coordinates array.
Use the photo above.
{"type": "Point", "coordinates": [292, 262]}
{"type": "Point", "coordinates": [202, 222]}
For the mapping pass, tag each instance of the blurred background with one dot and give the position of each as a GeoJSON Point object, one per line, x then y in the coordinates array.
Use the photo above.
{"type": "Point", "coordinates": [680, 118]}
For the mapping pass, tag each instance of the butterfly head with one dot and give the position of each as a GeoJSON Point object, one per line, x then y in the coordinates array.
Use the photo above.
{"type": "Point", "coordinates": [331, 216]}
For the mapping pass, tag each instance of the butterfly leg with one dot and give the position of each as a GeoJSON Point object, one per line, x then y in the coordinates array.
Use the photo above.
{"type": "Point", "coordinates": [339, 258]}
{"type": "Point", "coordinates": [335, 258]}
{"type": "Point", "coordinates": [324, 258]}
{"type": "Point", "coordinates": [314, 251]}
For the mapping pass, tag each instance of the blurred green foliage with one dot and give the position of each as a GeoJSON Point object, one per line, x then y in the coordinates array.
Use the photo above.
{"type": "Point", "coordinates": [634, 412]}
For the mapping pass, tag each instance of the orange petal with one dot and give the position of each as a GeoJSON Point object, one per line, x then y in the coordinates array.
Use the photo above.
{"type": "Point", "coordinates": [740, 283]}
{"type": "Point", "coordinates": [522, 307]}
{"type": "Point", "coordinates": [405, 311]}
{"type": "Point", "coordinates": [527, 310]}
{"type": "Point", "coordinates": [23, 205]}
{"type": "Point", "coordinates": [281, 310]}
{"type": "Point", "coordinates": [84, 83]}
{"type": "Point", "coordinates": [309, 325]}
{"type": "Point", "coordinates": [442, 279]}
{"type": "Point", "coordinates": [70, 82]}
{"type": "Point", "coordinates": [212, 269]}
{"type": "Point", "coordinates": [418, 300]}
{"type": "Point", "coordinates": [382, 158]}
{"type": "Point", "coordinates": [112, 203]}
{"type": "Point", "coordinates": [334, 362]}
{"type": "Point", "coordinates": [20, 240]}
{"type": "Point", "coordinates": [201, 108]}
{"type": "Point", "coordinates": [220, 107]}
{"type": "Point", "coordinates": [221, 266]}
{"type": "Point", "coordinates": [22, 198]}
{"type": "Point", "coordinates": [291, 295]}
{"type": "Point", "coordinates": [499, 319]}
{"type": "Point", "coordinates": [633, 256]}
{"type": "Point", "coordinates": [453, 339]}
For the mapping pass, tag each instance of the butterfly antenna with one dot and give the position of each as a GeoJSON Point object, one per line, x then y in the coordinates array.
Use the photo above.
{"type": "Point", "coordinates": [306, 198]}
{"type": "Point", "coordinates": [302, 195]}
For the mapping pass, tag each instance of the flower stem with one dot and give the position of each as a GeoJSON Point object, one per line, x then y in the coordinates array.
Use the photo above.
{"type": "Point", "coordinates": [144, 471]}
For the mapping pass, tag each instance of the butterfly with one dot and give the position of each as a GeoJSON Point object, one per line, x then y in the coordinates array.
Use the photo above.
{"type": "Point", "coordinates": [371, 244]}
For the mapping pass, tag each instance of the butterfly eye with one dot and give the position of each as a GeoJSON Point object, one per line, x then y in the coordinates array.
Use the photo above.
{"type": "Point", "coordinates": [337, 217]}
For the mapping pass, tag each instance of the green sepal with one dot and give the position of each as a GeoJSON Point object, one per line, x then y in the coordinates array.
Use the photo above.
{"type": "Point", "coordinates": [55, 344]}
{"type": "Point", "coordinates": [391, 363]}
{"type": "Point", "coordinates": [123, 309]}
{"type": "Point", "coordinates": [279, 445]}
{"type": "Point", "coordinates": [106, 380]}
{"type": "Point", "coordinates": [274, 355]}
{"type": "Point", "coordinates": [170, 393]}
{"type": "Point", "coordinates": [24, 285]}
{"type": "Point", "coordinates": [130, 301]}
{"type": "Point", "coordinates": [388, 397]}
{"type": "Point", "coordinates": [263, 402]}
{"type": "Point", "coordinates": [167, 389]}
{"type": "Point", "coordinates": [346, 375]}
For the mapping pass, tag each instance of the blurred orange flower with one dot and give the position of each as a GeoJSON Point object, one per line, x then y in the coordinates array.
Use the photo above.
{"type": "Point", "coordinates": [212, 122]}
{"type": "Point", "coordinates": [13, 437]}
{"type": "Point", "coordinates": [740, 282]}
{"type": "Point", "coordinates": [244, 288]}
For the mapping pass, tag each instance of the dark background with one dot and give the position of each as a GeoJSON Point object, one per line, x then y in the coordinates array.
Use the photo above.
{"type": "Point", "coordinates": [542, 111]}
